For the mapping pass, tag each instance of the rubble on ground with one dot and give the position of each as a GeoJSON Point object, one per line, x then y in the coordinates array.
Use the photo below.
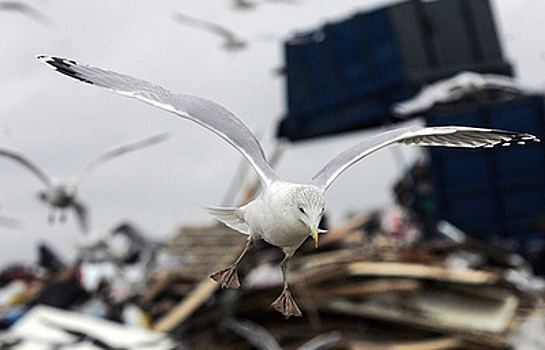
{"type": "Point", "coordinates": [375, 282]}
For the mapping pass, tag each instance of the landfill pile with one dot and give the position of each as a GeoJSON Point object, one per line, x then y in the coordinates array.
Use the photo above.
{"type": "Point", "coordinates": [375, 282]}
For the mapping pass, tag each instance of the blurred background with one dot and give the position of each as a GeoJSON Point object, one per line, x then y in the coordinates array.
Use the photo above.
{"type": "Point", "coordinates": [447, 244]}
{"type": "Point", "coordinates": [62, 125]}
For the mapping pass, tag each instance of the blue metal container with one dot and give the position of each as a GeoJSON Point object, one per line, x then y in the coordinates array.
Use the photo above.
{"type": "Point", "coordinates": [496, 192]}
{"type": "Point", "coordinates": [345, 76]}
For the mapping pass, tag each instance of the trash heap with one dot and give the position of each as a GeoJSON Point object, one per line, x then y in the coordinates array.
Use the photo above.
{"type": "Point", "coordinates": [388, 279]}
{"type": "Point", "coordinates": [374, 283]}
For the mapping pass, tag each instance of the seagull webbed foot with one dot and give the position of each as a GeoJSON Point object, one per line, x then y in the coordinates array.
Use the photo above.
{"type": "Point", "coordinates": [227, 278]}
{"type": "Point", "coordinates": [286, 305]}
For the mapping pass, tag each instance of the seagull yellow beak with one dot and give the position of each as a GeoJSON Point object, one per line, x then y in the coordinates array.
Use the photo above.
{"type": "Point", "coordinates": [314, 232]}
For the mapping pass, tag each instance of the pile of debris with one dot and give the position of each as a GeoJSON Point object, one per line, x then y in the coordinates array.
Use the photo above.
{"type": "Point", "coordinates": [90, 303]}
{"type": "Point", "coordinates": [373, 284]}
{"type": "Point", "coordinates": [376, 282]}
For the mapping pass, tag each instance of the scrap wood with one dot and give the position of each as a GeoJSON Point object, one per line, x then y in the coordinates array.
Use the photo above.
{"type": "Point", "coordinates": [186, 307]}
{"type": "Point", "coordinates": [206, 248]}
{"type": "Point", "coordinates": [350, 255]}
{"type": "Point", "coordinates": [335, 257]}
{"type": "Point", "coordinates": [494, 255]}
{"type": "Point", "coordinates": [372, 268]}
{"type": "Point", "coordinates": [400, 316]}
{"type": "Point", "coordinates": [445, 343]}
{"type": "Point", "coordinates": [326, 273]}
{"type": "Point", "coordinates": [339, 232]}
{"type": "Point", "coordinates": [366, 287]}
{"type": "Point", "coordinates": [161, 282]}
{"type": "Point", "coordinates": [170, 285]}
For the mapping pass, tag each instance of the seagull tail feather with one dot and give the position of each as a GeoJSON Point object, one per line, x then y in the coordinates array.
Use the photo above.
{"type": "Point", "coordinates": [232, 217]}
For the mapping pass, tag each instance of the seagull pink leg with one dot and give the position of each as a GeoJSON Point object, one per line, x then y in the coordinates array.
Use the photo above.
{"type": "Point", "coordinates": [285, 302]}
{"type": "Point", "coordinates": [52, 214]}
{"type": "Point", "coordinates": [228, 277]}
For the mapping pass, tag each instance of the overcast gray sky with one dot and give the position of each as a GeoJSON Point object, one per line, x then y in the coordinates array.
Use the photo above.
{"type": "Point", "coordinates": [62, 124]}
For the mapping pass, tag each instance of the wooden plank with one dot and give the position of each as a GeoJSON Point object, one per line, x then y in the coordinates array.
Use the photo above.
{"type": "Point", "coordinates": [445, 343]}
{"type": "Point", "coordinates": [339, 232]}
{"type": "Point", "coordinates": [366, 288]}
{"type": "Point", "coordinates": [399, 316]}
{"type": "Point", "coordinates": [186, 307]}
{"type": "Point", "coordinates": [441, 273]}
{"type": "Point", "coordinates": [335, 257]}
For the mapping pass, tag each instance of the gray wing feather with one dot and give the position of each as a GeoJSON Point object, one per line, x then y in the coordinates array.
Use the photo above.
{"type": "Point", "coordinates": [204, 112]}
{"type": "Point", "coordinates": [30, 165]}
{"type": "Point", "coordinates": [118, 151]}
{"type": "Point", "coordinates": [449, 136]}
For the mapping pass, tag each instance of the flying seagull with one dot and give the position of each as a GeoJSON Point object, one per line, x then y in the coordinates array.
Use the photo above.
{"type": "Point", "coordinates": [455, 88]}
{"type": "Point", "coordinates": [61, 193]}
{"type": "Point", "coordinates": [232, 41]}
{"type": "Point", "coordinates": [248, 5]}
{"type": "Point", "coordinates": [243, 5]}
{"type": "Point", "coordinates": [284, 214]}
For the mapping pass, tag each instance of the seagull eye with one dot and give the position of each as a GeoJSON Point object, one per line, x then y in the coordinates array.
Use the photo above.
{"type": "Point", "coordinates": [301, 210]}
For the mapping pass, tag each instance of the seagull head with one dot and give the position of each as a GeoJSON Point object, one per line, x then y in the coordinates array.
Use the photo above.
{"type": "Point", "coordinates": [308, 205]}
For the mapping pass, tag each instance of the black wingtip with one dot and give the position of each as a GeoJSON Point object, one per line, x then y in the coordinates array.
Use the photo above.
{"type": "Point", "coordinates": [521, 138]}
{"type": "Point", "coordinates": [64, 66]}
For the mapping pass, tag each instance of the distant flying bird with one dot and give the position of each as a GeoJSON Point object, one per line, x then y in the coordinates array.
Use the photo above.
{"type": "Point", "coordinates": [248, 4]}
{"type": "Point", "coordinates": [456, 88]}
{"type": "Point", "coordinates": [61, 193]}
{"type": "Point", "coordinates": [9, 222]}
{"type": "Point", "coordinates": [243, 4]}
{"type": "Point", "coordinates": [284, 214]}
{"type": "Point", "coordinates": [231, 41]}
{"type": "Point", "coordinates": [25, 9]}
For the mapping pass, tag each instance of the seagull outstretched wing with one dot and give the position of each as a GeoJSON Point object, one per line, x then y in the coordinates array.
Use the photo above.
{"type": "Point", "coordinates": [449, 136]}
{"type": "Point", "coordinates": [119, 151]}
{"type": "Point", "coordinates": [82, 214]}
{"type": "Point", "coordinates": [206, 25]}
{"type": "Point", "coordinates": [204, 112]}
{"type": "Point", "coordinates": [26, 162]}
